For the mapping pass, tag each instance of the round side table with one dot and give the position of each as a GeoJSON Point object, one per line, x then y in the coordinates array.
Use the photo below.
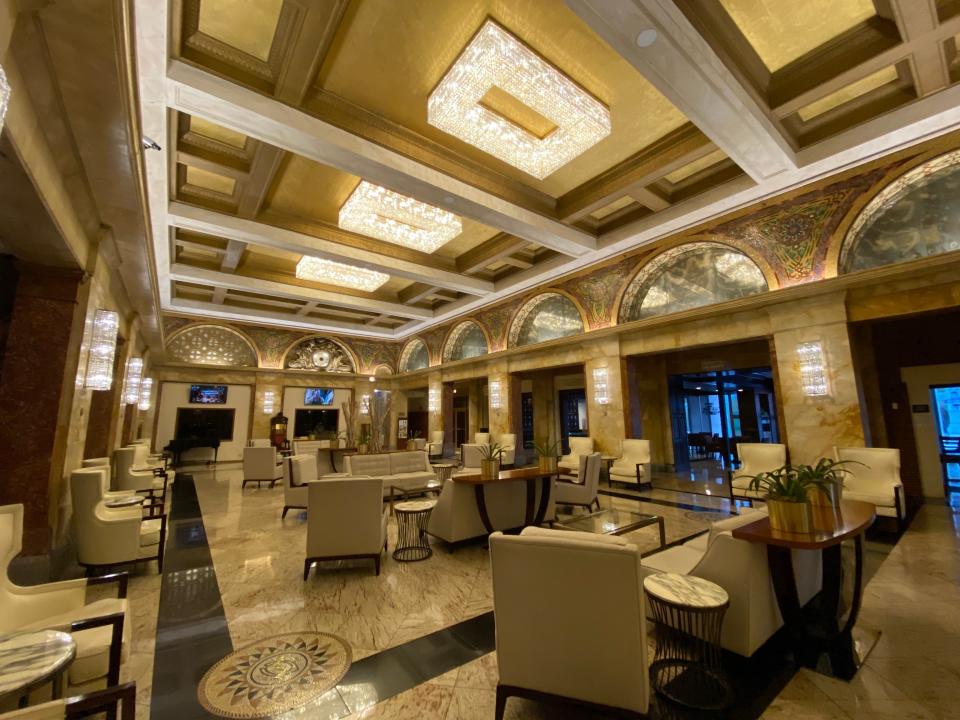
{"type": "Point", "coordinates": [412, 518]}
{"type": "Point", "coordinates": [443, 471]}
{"type": "Point", "coordinates": [689, 614]}
{"type": "Point", "coordinates": [30, 658]}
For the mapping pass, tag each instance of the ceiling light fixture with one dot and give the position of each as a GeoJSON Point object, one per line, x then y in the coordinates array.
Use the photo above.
{"type": "Point", "coordinates": [334, 273]}
{"type": "Point", "coordinates": [646, 38]}
{"type": "Point", "coordinates": [495, 58]}
{"type": "Point", "coordinates": [380, 213]}
{"type": "Point", "coordinates": [103, 345]}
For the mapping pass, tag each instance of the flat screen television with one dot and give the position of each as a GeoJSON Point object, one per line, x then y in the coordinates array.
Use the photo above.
{"type": "Point", "coordinates": [318, 396]}
{"type": "Point", "coordinates": [205, 423]}
{"type": "Point", "coordinates": [208, 394]}
{"type": "Point", "coordinates": [321, 422]}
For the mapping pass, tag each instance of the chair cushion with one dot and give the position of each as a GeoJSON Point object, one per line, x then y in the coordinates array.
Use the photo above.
{"type": "Point", "coordinates": [625, 468]}
{"type": "Point", "coordinates": [880, 501]}
{"type": "Point", "coordinates": [150, 532]}
{"type": "Point", "coordinates": [699, 543]}
{"type": "Point", "coordinates": [407, 462]}
{"type": "Point", "coordinates": [372, 465]}
{"type": "Point", "coordinates": [679, 559]}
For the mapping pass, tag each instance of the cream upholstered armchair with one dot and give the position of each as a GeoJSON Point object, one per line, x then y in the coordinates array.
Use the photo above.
{"type": "Point", "coordinates": [435, 446]}
{"type": "Point", "coordinates": [634, 464]}
{"type": "Point", "coordinates": [298, 472]}
{"type": "Point", "coordinates": [98, 627]}
{"type": "Point", "coordinates": [873, 476]}
{"type": "Point", "coordinates": [755, 458]}
{"type": "Point", "coordinates": [570, 464]}
{"type": "Point", "coordinates": [112, 536]}
{"type": "Point", "coordinates": [346, 519]}
{"type": "Point", "coordinates": [508, 443]}
{"type": "Point", "coordinates": [150, 482]}
{"type": "Point", "coordinates": [260, 465]}
{"type": "Point", "coordinates": [543, 645]}
{"type": "Point", "coordinates": [584, 489]}
{"type": "Point", "coordinates": [481, 438]}
{"type": "Point", "coordinates": [470, 456]}
{"type": "Point", "coordinates": [155, 459]}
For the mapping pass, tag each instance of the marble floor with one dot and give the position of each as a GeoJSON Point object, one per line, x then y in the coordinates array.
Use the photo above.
{"type": "Point", "coordinates": [257, 561]}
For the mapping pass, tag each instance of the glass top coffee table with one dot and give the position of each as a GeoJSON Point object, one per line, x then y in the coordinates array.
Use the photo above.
{"type": "Point", "coordinates": [614, 522]}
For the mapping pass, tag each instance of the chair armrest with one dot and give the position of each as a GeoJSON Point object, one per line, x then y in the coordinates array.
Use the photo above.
{"type": "Point", "coordinates": [116, 640]}
{"type": "Point", "coordinates": [121, 578]}
{"type": "Point", "coordinates": [103, 701]}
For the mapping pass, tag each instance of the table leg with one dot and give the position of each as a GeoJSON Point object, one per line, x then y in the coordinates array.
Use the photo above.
{"type": "Point", "coordinates": [480, 495]}
{"type": "Point", "coordinates": [333, 460]}
{"type": "Point", "coordinates": [531, 499]}
{"type": "Point", "coordinates": [780, 563]}
{"type": "Point", "coordinates": [546, 484]}
{"type": "Point", "coordinates": [663, 535]}
{"type": "Point", "coordinates": [843, 658]}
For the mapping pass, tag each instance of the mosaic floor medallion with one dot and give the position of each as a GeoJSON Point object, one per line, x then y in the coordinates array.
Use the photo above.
{"type": "Point", "coordinates": [272, 676]}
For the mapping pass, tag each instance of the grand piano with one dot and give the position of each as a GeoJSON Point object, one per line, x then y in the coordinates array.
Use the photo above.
{"type": "Point", "coordinates": [189, 442]}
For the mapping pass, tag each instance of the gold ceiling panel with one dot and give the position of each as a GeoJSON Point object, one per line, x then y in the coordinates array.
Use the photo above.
{"type": "Point", "coordinates": [388, 56]}
{"type": "Point", "coordinates": [848, 93]}
{"type": "Point", "coordinates": [696, 166]}
{"type": "Point", "coordinates": [212, 131]}
{"type": "Point", "coordinates": [507, 106]}
{"type": "Point", "coordinates": [618, 204]}
{"type": "Point", "coordinates": [210, 181]}
{"type": "Point", "coordinates": [247, 25]}
{"type": "Point", "coordinates": [782, 31]}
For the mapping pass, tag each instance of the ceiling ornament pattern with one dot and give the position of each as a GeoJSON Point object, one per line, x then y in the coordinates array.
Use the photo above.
{"type": "Point", "coordinates": [466, 340]}
{"type": "Point", "coordinates": [415, 356]}
{"type": "Point", "coordinates": [320, 354]}
{"type": "Point", "coordinates": [597, 291]}
{"type": "Point", "coordinates": [433, 338]}
{"type": "Point", "coordinates": [372, 354]}
{"type": "Point", "coordinates": [172, 324]}
{"type": "Point", "coordinates": [211, 345]}
{"type": "Point", "coordinates": [497, 322]}
{"type": "Point", "coordinates": [915, 216]}
{"type": "Point", "coordinates": [272, 344]}
{"type": "Point", "coordinates": [547, 316]}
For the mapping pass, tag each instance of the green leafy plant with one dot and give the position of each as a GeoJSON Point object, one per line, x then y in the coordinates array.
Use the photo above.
{"type": "Point", "coordinates": [547, 447]}
{"type": "Point", "coordinates": [791, 483]}
{"type": "Point", "coordinates": [491, 452]}
{"type": "Point", "coordinates": [364, 438]}
{"type": "Point", "coordinates": [413, 434]}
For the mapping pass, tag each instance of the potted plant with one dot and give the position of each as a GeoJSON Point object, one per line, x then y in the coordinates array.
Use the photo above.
{"type": "Point", "coordinates": [490, 461]}
{"type": "Point", "coordinates": [830, 491]}
{"type": "Point", "coordinates": [412, 439]}
{"type": "Point", "coordinates": [363, 442]}
{"type": "Point", "coordinates": [786, 492]}
{"type": "Point", "coordinates": [547, 452]}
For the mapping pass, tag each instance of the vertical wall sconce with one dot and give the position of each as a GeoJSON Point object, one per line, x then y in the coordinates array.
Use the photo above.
{"type": "Point", "coordinates": [131, 385]}
{"type": "Point", "coordinates": [433, 400]}
{"type": "Point", "coordinates": [364, 404]}
{"type": "Point", "coordinates": [146, 394]}
{"type": "Point", "coordinates": [103, 345]}
{"type": "Point", "coordinates": [813, 370]}
{"type": "Point", "coordinates": [601, 389]}
{"type": "Point", "coordinates": [269, 402]}
{"type": "Point", "coordinates": [494, 389]}
{"type": "Point", "coordinates": [4, 96]}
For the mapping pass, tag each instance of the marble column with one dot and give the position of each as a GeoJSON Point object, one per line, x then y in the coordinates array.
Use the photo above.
{"type": "Point", "coordinates": [814, 425]}
{"type": "Point", "coordinates": [435, 420]}
{"type": "Point", "coordinates": [605, 407]}
{"type": "Point", "coordinates": [398, 407]}
{"type": "Point", "coordinates": [260, 421]}
{"type": "Point", "coordinates": [501, 417]}
{"type": "Point", "coordinates": [36, 381]}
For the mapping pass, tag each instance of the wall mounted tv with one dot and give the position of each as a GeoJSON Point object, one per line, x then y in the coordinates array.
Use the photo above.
{"type": "Point", "coordinates": [208, 394]}
{"type": "Point", "coordinates": [318, 396]}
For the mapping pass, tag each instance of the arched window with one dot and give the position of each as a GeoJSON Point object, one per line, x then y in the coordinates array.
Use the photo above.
{"type": "Point", "coordinates": [545, 317]}
{"type": "Point", "coordinates": [690, 276]}
{"type": "Point", "coordinates": [915, 216]}
{"type": "Point", "coordinates": [415, 356]}
{"type": "Point", "coordinates": [211, 345]}
{"type": "Point", "coordinates": [466, 340]}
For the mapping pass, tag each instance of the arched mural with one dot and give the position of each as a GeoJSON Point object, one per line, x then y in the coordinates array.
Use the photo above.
{"type": "Point", "coordinates": [690, 276]}
{"type": "Point", "coordinates": [415, 356]}
{"type": "Point", "coordinates": [320, 354]}
{"type": "Point", "coordinates": [915, 216]}
{"type": "Point", "coordinates": [466, 340]}
{"type": "Point", "coordinates": [211, 345]}
{"type": "Point", "coordinates": [545, 317]}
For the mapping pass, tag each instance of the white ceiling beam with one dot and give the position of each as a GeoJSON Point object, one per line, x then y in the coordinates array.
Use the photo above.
{"type": "Point", "coordinates": [229, 281]}
{"type": "Point", "coordinates": [210, 222]}
{"type": "Point", "coordinates": [916, 19]}
{"type": "Point", "coordinates": [686, 70]}
{"type": "Point", "coordinates": [196, 92]}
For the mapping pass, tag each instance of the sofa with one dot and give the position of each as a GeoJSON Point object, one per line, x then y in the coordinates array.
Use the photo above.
{"type": "Point", "coordinates": [456, 518]}
{"type": "Point", "coordinates": [740, 568]}
{"type": "Point", "coordinates": [407, 470]}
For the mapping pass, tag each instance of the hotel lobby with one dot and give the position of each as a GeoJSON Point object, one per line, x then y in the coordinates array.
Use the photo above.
{"type": "Point", "coordinates": [479, 359]}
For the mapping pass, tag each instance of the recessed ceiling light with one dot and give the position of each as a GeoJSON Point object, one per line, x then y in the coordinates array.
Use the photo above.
{"type": "Point", "coordinates": [495, 58]}
{"type": "Point", "coordinates": [646, 38]}
{"type": "Point", "coordinates": [334, 273]}
{"type": "Point", "coordinates": [380, 213]}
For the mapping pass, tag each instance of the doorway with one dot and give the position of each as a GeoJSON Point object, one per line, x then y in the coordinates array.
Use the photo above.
{"type": "Point", "coordinates": [460, 419]}
{"type": "Point", "coordinates": [946, 412]}
{"type": "Point", "coordinates": [573, 415]}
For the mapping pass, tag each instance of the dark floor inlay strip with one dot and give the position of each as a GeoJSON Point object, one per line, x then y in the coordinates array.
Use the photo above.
{"type": "Point", "coordinates": [192, 629]}
{"type": "Point", "coordinates": [624, 495]}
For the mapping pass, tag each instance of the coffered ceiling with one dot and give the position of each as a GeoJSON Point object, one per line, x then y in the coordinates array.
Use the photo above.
{"type": "Point", "coordinates": [272, 112]}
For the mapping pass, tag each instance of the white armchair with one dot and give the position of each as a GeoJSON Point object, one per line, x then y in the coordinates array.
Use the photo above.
{"type": "Point", "coordinates": [874, 476]}
{"type": "Point", "coordinates": [481, 438]}
{"type": "Point", "coordinates": [508, 443]}
{"type": "Point", "coordinates": [98, 627]}
{"type": "Point", "coordinates": [578, 446]}
{"type": "Point", "coordinates": [298, 472]}
{"type": "Point", "coordinates": [261, 465]}
{"type": "Point", "coordinates": [634, 464]}
{"type": "Point", "coordinates": [583, 490]}
{"type": "Point", "coordinates": [755, 458]}
{"type": "Point", "coordinates": [151, 482]}
{"type": "Point", "coordinates": [112, 536]}
{"type": "Point", "coordinates": [544, 647]}
{"type": "Point", "coordinates": [346, 519]}
{"type": "Point", "coordinates": [435, 446]}
{"type": "Point", "coordinates": [419, 443]}
{"type": "Point", "coordinates": [470, 456]}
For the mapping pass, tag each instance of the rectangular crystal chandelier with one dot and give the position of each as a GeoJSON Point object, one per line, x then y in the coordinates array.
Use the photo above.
{"type": "Point", "coordinates": [103, 345]}
{"type": "Point", "coordinates": [334, 273]}
{"type": "Point", "coordinates": [131, 385]}
{"type": "Point", "coordinates": [601, 386]}
{"type": "Point", "coordinates": [146, 394]}
{"type": "Point", "coordinates": [813, 370]}
{"type": "Point", "coordinates": [495, 58]}
{"type": "Point", "coordinates": [380, 213]}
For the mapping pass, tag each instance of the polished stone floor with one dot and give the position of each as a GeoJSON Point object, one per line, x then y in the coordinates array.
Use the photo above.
{"type": "Point", "coordinates": [400, 619]}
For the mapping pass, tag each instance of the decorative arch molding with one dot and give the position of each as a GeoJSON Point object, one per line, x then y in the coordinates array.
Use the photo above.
{"type": "Point", "coordinates": [466, 339]}
{"type": "Point", "coordinates": [212, 344]}
{"type": "Point", "coordinates": [414, 356]}
{"type": "Point", "coordinates": [382, 370]}
{"type": "Point", "coordinates": [722, 272]}
{"type": "Point", "coordinates": [916, 215]}
{"type": "Point", "coordinates": [566, 319]}
{"type": "Point", "coordinates": [320, 353]}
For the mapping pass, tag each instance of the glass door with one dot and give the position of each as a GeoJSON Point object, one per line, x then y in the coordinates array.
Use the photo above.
{"type": "Point", "coordinates": [946, 402]}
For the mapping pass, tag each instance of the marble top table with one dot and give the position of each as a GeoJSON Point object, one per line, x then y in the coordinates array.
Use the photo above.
{"type": "Point", "coordinates": [31, 658]}
{"type": "Point", "coordinates": [686, 590]}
